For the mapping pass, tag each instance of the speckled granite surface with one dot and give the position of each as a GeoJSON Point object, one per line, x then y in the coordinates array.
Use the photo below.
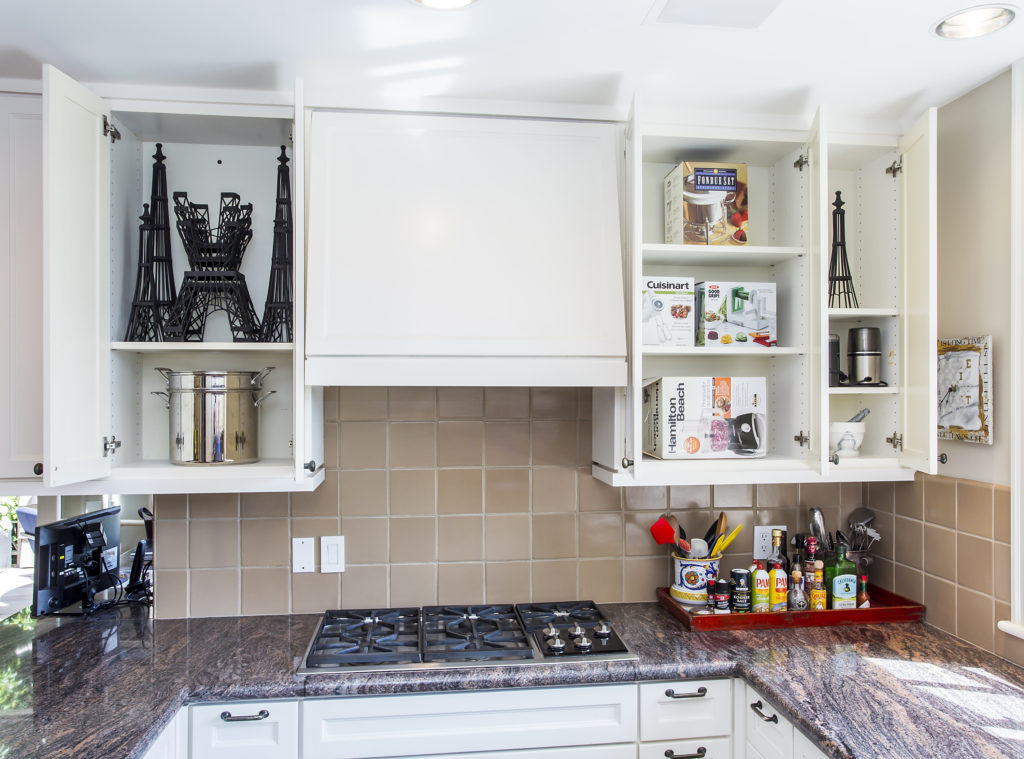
{"type": "Point", "coordinates": [102, 688]}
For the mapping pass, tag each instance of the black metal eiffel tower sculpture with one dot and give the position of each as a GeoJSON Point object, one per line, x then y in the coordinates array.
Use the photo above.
{"type": "Point", "coordinates": [144, 323]}
{"type": "Point", "coordinates": [840, 281]}
{"type": "Point", "coordinates": [277, 314]}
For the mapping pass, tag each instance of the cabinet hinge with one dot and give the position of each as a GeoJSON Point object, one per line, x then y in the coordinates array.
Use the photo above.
{"type": "Point", "coordinates": [800, 162]}
{"type": "Point", "coordinates": [803, 439]}
{"type": "Point", "coordinates": [110, 446]}
{"type": "Point", "coordinates": [111, 131]}
{"type": "Point", "coordinates": [895, 168]}
{"type": "Point", "coordinates": [896, 441]}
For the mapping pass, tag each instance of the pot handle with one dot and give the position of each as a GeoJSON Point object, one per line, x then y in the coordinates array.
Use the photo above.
{"type": "Point", "coordinates": [166, 396]}
{"type": "Point", "coordinates": [255, 381]}
{"type": "Point", "coordinates": [165, 372]}
{"type": "Point", "coordinates": [259, 401]}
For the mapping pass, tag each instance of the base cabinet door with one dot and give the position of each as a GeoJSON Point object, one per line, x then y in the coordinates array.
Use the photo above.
{"type": "Point", "coordinates": [768, 733]}
{"type": "Point", "coordinates": [804, 748]}
{"type": "Point", "coordinates": [690, 748]}
{"type": "Point", "coordinates": [246, 730]}
{"type": "Point", "coordinates": [685, 708]}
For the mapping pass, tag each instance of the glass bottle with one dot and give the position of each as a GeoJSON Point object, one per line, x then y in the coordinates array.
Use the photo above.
{"type": "Point", "coordinates": [817, 596]}
{"type": "Point", "coordinates": [797, 598]}
{"type": "Point", "coordinates": [811, 553]}
{"type": "Point", "coordinates": [863, 599]}
{"type": "Point", "coordinates": [841, 581]}
{"type": "Point", "coordinates": [778, 553]}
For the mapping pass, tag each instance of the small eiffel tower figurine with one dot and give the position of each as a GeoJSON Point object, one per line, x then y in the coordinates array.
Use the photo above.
{"type": "Point", "coordinates": [163, 271]}
{"type": "Point", "coordinates": [840, 282]}
{"type": "Point", "coordinates": [277, 314]}
{"type": "Point", "coordinates": [144, 321]}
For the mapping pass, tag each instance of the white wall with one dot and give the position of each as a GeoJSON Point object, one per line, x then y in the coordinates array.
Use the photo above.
{"type": "Point", "coordinates": [974, 256]}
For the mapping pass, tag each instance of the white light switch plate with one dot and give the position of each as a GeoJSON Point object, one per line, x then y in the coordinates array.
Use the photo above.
{"type": "Point", "coordinates": [302, 555]}
{"type": "Point", "coordinates": [332, 553]}
{"type": "Point", "coordinates": [763, 539]}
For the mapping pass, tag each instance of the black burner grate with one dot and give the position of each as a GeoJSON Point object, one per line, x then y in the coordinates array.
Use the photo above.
{"type": "Point", "coordinates": [473, 633]}
{"type": "Point", "coordinates": [366, 636]}
{"type": "Point", "coordinates": [561, 614]}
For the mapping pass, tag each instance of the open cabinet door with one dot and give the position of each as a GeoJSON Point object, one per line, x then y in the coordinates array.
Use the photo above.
{"type": "Point", "coordinates": [918, 203]}
{"type": "Point", "coordinates": [76, 281]}
{"type": "Point", "coordinates": [817, 245]}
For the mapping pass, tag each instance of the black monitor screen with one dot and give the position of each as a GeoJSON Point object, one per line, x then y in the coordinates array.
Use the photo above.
{"type": "Point", "coordinates": [75, 559]}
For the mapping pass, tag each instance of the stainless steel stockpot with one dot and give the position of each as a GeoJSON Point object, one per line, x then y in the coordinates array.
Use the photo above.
{"type": "Point", "coordinates": [214, 415]}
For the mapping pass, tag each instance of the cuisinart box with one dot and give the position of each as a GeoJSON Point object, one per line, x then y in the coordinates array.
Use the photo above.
{"type": "Point", "coordinates": [705, 417]}
{"type": "Point", "coordinates": [706, 204]}
{"type": "Point", "coordinates": [731, 314]}
{"type": "Point", "coordinates": [667, 307]}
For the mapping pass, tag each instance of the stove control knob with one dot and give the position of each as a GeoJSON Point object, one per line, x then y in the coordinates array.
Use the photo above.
{"type": "Point", "coordinates": [556, 645]}
{"type": "Point", "coordinates": [576, 631]}
{"type": "Point", "coordinates": [550, 631]}
{"type": "Point", "coordinates": [583, 643]}
{"type": "Point", "coordinates": [603, 630]}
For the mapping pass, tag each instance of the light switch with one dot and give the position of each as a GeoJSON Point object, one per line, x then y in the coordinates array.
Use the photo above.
{"type": "Point", "coordinates": [302, 555]}
{"type": "Point", "coordinates": [332, 553]}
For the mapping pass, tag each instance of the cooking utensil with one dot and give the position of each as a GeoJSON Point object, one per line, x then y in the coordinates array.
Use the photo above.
{"type": "Point", "coordinates": [861, 515]}
{"type": "Point", "coordinates": [698, 548]}
{"type": "Point", "coordinates": [663, 532]}
{"type": "Point", "coordinates": [818, 526]}
{"type": "Point", "coordinates": [841, 537]}
{"type": "Point", "coordinates": [723, 543]}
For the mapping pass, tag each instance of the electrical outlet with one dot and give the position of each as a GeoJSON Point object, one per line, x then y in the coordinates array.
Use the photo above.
{"type": "Point", "coordinates": [763, 539]}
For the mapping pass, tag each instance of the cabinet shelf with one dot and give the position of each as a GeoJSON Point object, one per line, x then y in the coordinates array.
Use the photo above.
{"type": "Point", "coordinates": [186, 347]}
{"type": "Point", "coordinates": [861, 313]}
{"type": "Point", "coordinates": [889, 390]}
{"type": "Point", "coordinates": [657, 350]}
{"type": "Point", "coordinates": [720, 255]}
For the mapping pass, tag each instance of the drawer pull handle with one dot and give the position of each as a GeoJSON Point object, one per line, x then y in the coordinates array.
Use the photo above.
{"type": "Point", "coordinates": [757, 706]}
{"type": "Point", "coordinates": [698, 755]}
{"type": "Point", "coordinates": [227, 716]}
{"type": "Point", "coordinates": [701, 691]}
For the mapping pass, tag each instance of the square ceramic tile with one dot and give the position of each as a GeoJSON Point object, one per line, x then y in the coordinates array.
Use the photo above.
{"type": "Point", "coordinates": [819, 494]}
{"type": "Point", "coordinates": [600, 535]}
{"type": "Point", "coordinates": [1001, 571]}
{"type": "Point", "coordinates": [646, 498]}
{"type": "Point", "coordinates": [171, 593]}
{"type": "Point", "coordinates": [909, 499]}
{"type": "Point", "coordinates": [601, 580]}
{"type": "Point", "coordinates": [412, 491]}
{"type": "Point", "coordinates": [507, 402]}
{"type": "Point", "coordinates": [213, 506]}
{"type": "Point", "coordinates": [1001, 514]}
{"type": "Point", "coordinates": [361, 403]}
{"type": "Point", "coordinates": [507, 537]}
{"type": "Point", "coordinates": [265, 543]}
{"type": "Point", "coordinates": [460, 402]}
{"type": "Point", "coordinates": [460, 538]}
{"type": "Point", "coordinates": [689, 497]}
{"type": "Point", "coordinates": [364, 445]}
{"type": "Point", "coordinates": [332, 435]}
{"type": "Point", "coordinates": [506, 491]}
{"type": "Point", "coordinates": [413, 584]}
{"type": "Point", "coordinates": [584, 440]}
{"type": "Point", "coordinates": [885, 526]}
{"type": "Point", "coordinates": [974, 563]}
{"type": "Point", "coordinates": [908, 542]}
{"type": "Point", "coordinates": [314, 527]}
{"type": "Point", "coordinates": [554, 442]}
{"type": "Point", "coordinates": [586, 402]}
{"type": "Point", "coordinates": [331, 404]}
{"type": "Point", "coordinates": [507, 582]}
{"type": "Point", "coordinates": [213, 543]}
{"type": "Point", "coordinates": [460, 583]}
{"type": "Point", "coordinates": [975, 618]}
{"type": "Point", "coordinates": [366, 540]}
{"type": "Point", "coordinates": [554, 536]}
{"type": "Point", "coordinates": [554, 489]}
{"type": "Point", "coordinates": [909, 583]}
{"type": "Point", "coordinates": [170, 506]}
{"type": "Point", "coordinates": [734, 497]}
{"type": "Point", "coordinates": [266, 591]}
{"type": "Point", "coordinates": [776, 496]}
{"type": "Point", "coordinates": [412, 444]}
{"type": "Point", "coordinates": [313, 592]}
{"type": "Point", "coordinates": [637, 531]}
{"type": "Point", "coordinates": [940, 603]}
{"type": "Point", "coordinates": [555, 581]}
{"type": "Point", "coordinates": [365, 587]}
{"type": "Point", "coordinates": [172, 537]}
{"type": "Point", "coordinates": [322, 502]}
{"type": "Point", "coordinates": [974, 502]}
{"type": "Point", "coordinates": [554, 403]}
{"type": "Point", "coordinates": [460, 491]}
{"type": "Point", "coordinates": [214, 592]}
{"type": "Point", "coordinates": [881, 573]}
{"type": "Point", "coordinates": [642, 576]}
{"type": "Point", "coordinates": [363, 493]}
{"type": "Point", "coordinates": [852, 494]}
{"type": "Point", "coordinates": [940, 501]}
{"type": "Point", "coordinates": [881, 496]}
{"type": "Point", "coordinates": [408, 403]}
{"type": "Point", "coordinates": [412, 539]}
{"type": "Point", "coordinates": [595, 495]}
{"type": "Point", "coordinates": [460, 443]}
{"type": "Point", "coordinates": [507, 443]}
{"type": "Point", "coordinates": [265, 505]}
{"type": "Point", "coordinates": [940, 552]}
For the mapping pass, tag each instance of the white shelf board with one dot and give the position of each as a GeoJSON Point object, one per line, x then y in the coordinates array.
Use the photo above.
{"type": "Point", "coordinates": [756, 350]}
{"type": "Point", "coordinates": [890, 390]}
{"type": "Point", "coordinates": [869, 469]}
{"type": "Point", "coordinates": [861, 313]}
{"type": "Point", "coordinates": [185, 347]}
{"type": "Point", "coordinates": [719, 255]}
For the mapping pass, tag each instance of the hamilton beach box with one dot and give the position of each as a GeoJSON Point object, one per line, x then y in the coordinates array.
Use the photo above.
{"type": "Point", "coordinates": [705, 417]}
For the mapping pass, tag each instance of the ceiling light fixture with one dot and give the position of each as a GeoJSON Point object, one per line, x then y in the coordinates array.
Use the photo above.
{"type": "Point", "coordinates": [974, 22]}
{"type": "Point", "coordinates": [444, 5]}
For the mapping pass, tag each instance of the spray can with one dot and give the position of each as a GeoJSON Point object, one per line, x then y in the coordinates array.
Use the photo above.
{"type": "Point", "coordinates": [762, 588]}
{"type": "Point", "coordinates": [778, 588]}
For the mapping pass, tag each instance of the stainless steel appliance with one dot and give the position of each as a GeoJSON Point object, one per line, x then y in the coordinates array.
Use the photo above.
{"type": "Point", "coordinates": [864, 352]}
{"type": "Point", "coordinates": [213, 415]}
{"type": "Point", "coordinates": [351, 640]}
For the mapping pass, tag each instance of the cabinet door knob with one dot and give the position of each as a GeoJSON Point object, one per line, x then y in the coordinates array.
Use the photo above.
{"type": "Point", "coordinates": [310, 465]}
{"type": "Point", "coordinates": [37, 469]}
{"type": "Point", "coordinates": [757, 706]}
{"type": "Point", "coordinates": [701, 691]}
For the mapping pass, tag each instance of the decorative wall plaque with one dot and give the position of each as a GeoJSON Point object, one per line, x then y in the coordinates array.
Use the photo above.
{"type": "Point", "coordinates": [965, 389]}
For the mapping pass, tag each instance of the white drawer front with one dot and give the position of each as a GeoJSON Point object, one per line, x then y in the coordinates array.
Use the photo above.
{"type": "Point", "coordinates": [442, 723]}
{"type": "Point", "coordinates": [773, 737]}
{"type": "Point", "coordinates": [685, 713]}
{"type": "Point", "coordinates": [714, 748]}
{"type": "Point", "coordinates": [274, 737]}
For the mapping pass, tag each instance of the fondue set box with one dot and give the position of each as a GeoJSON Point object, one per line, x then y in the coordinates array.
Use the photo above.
{"type": "Point", "coordinates": [705, 417]}
{"type": "Point", "coordinates": [706, 204]}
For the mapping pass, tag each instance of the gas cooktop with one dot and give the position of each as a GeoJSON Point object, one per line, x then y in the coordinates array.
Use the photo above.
{"type": "Point", "coordinates": [352, 640]}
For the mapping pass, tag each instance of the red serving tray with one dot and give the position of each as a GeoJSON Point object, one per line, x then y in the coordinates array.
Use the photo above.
{"type": "Point", "coordinates": [886, 607]}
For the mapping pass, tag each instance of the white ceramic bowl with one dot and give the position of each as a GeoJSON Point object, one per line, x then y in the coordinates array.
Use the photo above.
{"type": "Point", "coordinates": [844, 438]}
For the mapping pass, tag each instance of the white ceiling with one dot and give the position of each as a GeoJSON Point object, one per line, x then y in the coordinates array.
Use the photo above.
{"type": "Point", "coordinates": [870, 60]}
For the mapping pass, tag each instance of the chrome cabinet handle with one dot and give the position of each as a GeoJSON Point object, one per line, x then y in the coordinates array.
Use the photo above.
{"type": "Point", "coordinates": [227, 716]}
{"type": "Point", "coordinates": [757, 706]}
{"type": "Point", "coordinates": [698, 755]}
{"type": "Point", "coordinates": [701, 691]}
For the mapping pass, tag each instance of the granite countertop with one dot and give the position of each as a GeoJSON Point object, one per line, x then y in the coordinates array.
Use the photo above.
{"type": "Point", "coordinates": [103, 687]}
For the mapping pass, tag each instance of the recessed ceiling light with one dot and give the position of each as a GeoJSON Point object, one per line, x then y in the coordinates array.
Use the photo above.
{"type": "Point", "coordinates": [974, 22]}
{"type": "Point", "coordinates": [444, 5]}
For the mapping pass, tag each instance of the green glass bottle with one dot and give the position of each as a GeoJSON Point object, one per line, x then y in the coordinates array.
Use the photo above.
{"type": "Point", "coordinates": [841, 580]}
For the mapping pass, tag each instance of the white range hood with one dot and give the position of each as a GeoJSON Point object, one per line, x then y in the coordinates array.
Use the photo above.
{"type": "Point", "coordinates": [451, 250]}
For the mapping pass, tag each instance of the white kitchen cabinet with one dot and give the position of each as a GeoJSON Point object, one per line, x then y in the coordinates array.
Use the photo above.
{"type": "Point", "coordinates": [767, 733]}
{"type": "Point", "coordinates": [172, 743]}
{"type": "Point", "coordinates": [97, 389]}
{"type": "Point", "coordinates": [21, 250]}
{"type": "Point", "coordinates": [685, 709]}
{"type": "Point", "coordinates": [456, 250]}
{"type": "Point", "coordinates": [792, 175]}
{"type": "Point", "coordinates": [450, 723]}
{"type": "Point", "coordinates": [691, 748]}
{"type": "Point", "coordinates": [804, 748]}
{"type": "Point", "coordinates": [245, 730]}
